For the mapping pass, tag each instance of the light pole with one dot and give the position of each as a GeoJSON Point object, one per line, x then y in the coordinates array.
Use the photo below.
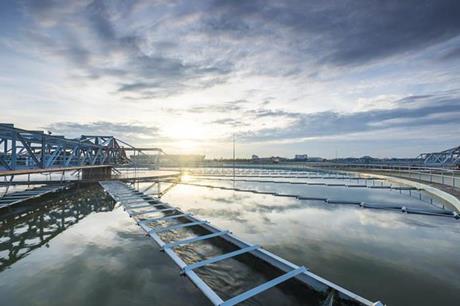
{"type": "Point", "coordinates": [233, 158]}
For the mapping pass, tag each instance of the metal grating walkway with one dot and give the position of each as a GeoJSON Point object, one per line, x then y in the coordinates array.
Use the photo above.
{"type": "Point", "coordinates": [133, 200]}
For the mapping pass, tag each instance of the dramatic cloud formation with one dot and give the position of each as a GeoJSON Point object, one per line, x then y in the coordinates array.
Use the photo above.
{"type": "Point", "coordinates": [413, 111]}
{"type": "Point", "coordinates": [282, 76]}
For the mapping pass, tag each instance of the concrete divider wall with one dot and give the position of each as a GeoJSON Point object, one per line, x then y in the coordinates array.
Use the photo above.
{"type": "Point", "coordinates": [443, 195]}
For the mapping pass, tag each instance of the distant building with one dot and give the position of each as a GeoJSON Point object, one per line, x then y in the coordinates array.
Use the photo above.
{"type": "Point", "coordinates": [266, 160]}
{"type": "Point", "coordinates": [176, 160]}
{"type": "Point", "coordinates": [302, 157]}
{"type": "Point", "coordinates": [172, 160]}
{"type": "Point", "coordinates": [316, 159]}
{"type": "Point", "coordinates": [146, 160]}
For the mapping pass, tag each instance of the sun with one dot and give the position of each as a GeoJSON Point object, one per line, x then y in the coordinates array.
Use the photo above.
{"type": "Point", "coordinates": [186, 130]}
{"type": "Point", "coordinates": [187, 135]}
{"type": "Point", "coordinates": [187, 146]}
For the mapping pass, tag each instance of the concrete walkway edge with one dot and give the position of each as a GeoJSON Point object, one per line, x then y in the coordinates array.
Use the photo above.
{"type": "Point", "coordinates": [449, 198]}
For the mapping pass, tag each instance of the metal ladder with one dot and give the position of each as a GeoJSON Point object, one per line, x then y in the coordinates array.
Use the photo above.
{"type": "Point", "coordinates": [133, 200]}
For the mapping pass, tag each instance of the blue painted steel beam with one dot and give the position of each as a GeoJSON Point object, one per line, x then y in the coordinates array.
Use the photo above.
{"type": "Point", "coordinates": [265, 286]}
{"type": "Point", "coordinates": [175, 226]}
{"type": "Point", "coordinates": [194, 239]}
{"type": "Point", "coordinates": [151, 211]}
{"type": "Point", "coordinates": [145, 221]}
{"type": "Point", "coordinates": [208, 261]}
{"type": "Point", "coordinates": [23, 149]}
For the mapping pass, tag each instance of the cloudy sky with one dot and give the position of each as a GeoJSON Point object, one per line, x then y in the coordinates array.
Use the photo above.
{"type": "Point", "coordinates": [326, 78]}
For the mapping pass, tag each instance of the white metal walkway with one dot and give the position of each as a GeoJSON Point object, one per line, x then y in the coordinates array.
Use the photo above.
{"type": "Point", "coordinates": [133, 201]}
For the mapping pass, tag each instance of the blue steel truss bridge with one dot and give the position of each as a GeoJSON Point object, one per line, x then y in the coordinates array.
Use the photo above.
{"type": "Point", "coordinates": [26, 156]}
{"type": "Point", "coordinates": [31, 151]}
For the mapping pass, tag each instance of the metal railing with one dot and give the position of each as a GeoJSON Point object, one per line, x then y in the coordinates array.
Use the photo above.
{"type": "Point", "coordinates": [443, 176]}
